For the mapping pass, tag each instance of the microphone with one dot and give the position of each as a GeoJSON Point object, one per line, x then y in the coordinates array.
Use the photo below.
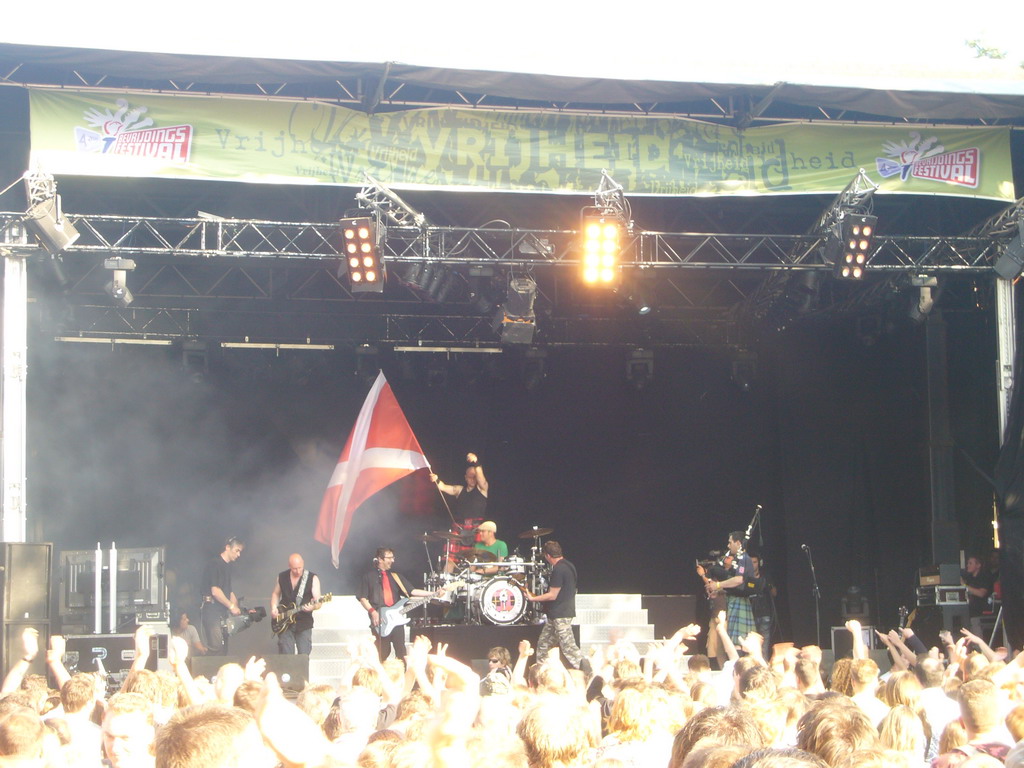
{"type": "Point", "coordinates": [805, 548]}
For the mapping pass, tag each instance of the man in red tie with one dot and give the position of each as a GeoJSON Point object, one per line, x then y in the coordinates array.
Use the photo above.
{"type": "Point", "coordinates": [381, 588]}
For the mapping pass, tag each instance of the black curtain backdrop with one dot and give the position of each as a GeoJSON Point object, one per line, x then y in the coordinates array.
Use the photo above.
{"type": "Point", "coordinates": [1009, 482]}
{"type": "Point", "coordinates": [127, 446]}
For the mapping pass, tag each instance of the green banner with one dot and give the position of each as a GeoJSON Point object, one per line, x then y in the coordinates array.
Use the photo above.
{"type": "Point", "coordinates": [267, 141]}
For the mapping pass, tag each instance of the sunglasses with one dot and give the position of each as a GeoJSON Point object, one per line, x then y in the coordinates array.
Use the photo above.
{"type": "Point", "coordinates": [494, 661]}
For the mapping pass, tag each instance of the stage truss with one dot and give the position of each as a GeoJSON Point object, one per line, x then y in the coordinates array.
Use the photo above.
{"type": "Point", "coordinates": [233, 279]}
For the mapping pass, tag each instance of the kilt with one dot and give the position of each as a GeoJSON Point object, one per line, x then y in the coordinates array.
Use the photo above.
{"type": "Point", "coordinates": [740, 617]}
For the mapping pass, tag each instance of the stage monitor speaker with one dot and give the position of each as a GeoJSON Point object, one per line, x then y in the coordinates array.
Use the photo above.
{"type": "Point", "coordinates": [930, 619]}
{"type": "Point", "coordinates": [117, 652]}
{"type": "Point", "coordinates": [842, 642]}
{"type": "Point", "coordinates": [828, 660]}
{"type": "Point", "coordinates": [25, 579]}
{"type": "Point", "coordinates": [670, 612]}
{"type": "Point", "coordinates": [292, 669]}
{"type": "Point", "coordinates": [11, 644]}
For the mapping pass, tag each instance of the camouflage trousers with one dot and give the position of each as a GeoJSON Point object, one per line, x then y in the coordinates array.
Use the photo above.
{"type": "Point", "coordinates": [559, 632]}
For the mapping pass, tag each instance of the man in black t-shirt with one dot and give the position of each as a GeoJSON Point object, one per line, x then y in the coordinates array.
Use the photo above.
{"type": "Point", "coordinates": [560, 607]}
{"type": "Point", "coordinates": [219, 599]}
{"type": "Point", "coordinates": [979, 585]}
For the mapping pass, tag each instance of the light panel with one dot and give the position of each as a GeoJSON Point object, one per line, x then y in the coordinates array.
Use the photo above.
{"type": "Point", "coordinates": [362, 258]}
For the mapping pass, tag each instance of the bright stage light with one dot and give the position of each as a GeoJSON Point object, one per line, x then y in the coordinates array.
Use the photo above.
{"type": "Point", "coordinates": [857, 237]}
{"type": "Point", "coordinates": [602, 244]}
{"type": "Point", "coordinates": [365, 272]}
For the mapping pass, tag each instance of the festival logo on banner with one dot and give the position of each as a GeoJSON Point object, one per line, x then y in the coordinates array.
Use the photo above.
{"type": "Point", "coordinates": [926, 160]}
{"type": "Point", "coordinates": [127, 132]}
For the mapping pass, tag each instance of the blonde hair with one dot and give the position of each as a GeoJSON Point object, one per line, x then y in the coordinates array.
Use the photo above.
{"type": "Point", "coordinates": [901, 729]}
{"type": "Point", "coordinates": [632, 715]}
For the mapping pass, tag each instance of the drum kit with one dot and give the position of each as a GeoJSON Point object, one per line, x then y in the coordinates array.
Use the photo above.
{"type": "Point", "coordinates": [491, 592]}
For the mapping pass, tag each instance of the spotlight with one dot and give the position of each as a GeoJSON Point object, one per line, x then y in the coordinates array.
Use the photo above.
{"type": "Point", "coordinates": [534, 368]}
{"type": "Point", "coordinates": [637, 292]}
{"type": "Point", "coordinates": [481, 293]}
{"type": "Point", "coordinates": [117, 288]}
{"type": "Point", "coordinates": [857, 236]}
{"type": "Point", "coordinates": [362, 258]}
{"type": "Point", "coordinates": [640, 367]}
{"type": "Point", "coordinates": [515, 318]}
{"type": "Point", "coordinates": [602, 244]}
{"type": "Point", "coordinates": [927, 289]}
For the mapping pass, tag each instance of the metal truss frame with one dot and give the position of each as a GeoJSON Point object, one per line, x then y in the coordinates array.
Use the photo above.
{"type": "Point", "coordinates": [182, 239]}
{"type": "Point", "coordinates": [385, 91]}
{"type": "Point", "coordinates": [230, 279]}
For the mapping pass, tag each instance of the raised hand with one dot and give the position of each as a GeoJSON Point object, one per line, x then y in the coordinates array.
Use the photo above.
{"type": "Point", "coordinates": [30, 643]}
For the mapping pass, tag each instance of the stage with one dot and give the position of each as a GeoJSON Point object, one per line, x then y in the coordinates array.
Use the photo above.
{"type": "Point", "coordinates": [469, 643]}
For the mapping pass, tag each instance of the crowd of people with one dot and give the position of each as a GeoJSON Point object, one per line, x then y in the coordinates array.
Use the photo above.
{"type": "Point", "coordinates": [958, 705]}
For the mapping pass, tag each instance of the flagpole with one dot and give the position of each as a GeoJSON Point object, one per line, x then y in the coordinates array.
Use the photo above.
{"type": "Point", "coordinates": [445, 502]}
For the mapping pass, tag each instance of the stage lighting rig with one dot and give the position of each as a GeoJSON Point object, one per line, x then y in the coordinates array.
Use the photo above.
{"type": "Point", "coordinates": [603, 228]}
{"type": "Point", "coordinates": [117, 288]}
{"type": "Point", "coordinates": [362, 255]}
{"type": "Point", "coordinates": [44, 218]}
{"type": "Point", "coordinates": [857, 239]}
{"type": "Point", "coordinates": [515, 319]}
{"type": "Point", "coordinates": [640, 367]}
{"type": "Point", "coordinates": [849, 229]}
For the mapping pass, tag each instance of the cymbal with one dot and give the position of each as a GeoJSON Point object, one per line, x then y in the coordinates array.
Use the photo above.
{"type": "Point", "coordinates": [483, 556]}
{"type": "Point", "coordinates": [453, 535]}
{"type": "Point", "coordinates": [429, 537]}
{"type": "Point", "coordinates": [536, 533]}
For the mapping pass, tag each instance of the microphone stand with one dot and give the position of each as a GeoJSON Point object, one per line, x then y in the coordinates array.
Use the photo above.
{"type": "Point", "coordinates": [816, 591]}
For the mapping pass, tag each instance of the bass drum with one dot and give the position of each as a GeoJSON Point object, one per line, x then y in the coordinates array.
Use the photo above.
{"type": "Point", "coordinates": [502, 601]}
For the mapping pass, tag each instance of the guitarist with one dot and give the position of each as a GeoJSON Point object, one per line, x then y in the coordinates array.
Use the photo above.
{"type": "Point", "coordinates": [298, 587]}
{"type": "Point", "coordinates": [380, 587]}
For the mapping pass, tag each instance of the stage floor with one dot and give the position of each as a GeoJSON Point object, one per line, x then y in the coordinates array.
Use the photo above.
{"type": "Point", "coordinates": [469, 643]}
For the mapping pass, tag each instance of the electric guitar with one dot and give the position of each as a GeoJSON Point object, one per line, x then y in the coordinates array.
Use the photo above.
{"type": "Point", "coordinates": [397, 615]}
{"type": "Point", "coordinates": [286, 613]}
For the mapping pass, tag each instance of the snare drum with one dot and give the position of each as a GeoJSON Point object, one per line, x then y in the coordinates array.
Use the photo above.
{"type": "Point", "coordinates": [502, 601]}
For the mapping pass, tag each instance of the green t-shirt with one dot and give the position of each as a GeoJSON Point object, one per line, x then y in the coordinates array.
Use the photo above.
{"type": "Point", "coordinates": [499, 549]}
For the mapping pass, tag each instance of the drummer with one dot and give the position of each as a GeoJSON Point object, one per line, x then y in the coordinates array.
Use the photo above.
{"type": "Point", "coordinates": [488, 541]}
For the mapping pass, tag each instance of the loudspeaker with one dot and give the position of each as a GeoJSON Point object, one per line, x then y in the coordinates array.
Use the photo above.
{"type": "Point", "coordinates": [52, 229]}
{"type": "Point", "coordinates": [1010, 263]}
{"type": "Point", "coordinates": [117, 652]}
{"type": "Point", "coordinates": [25, 580]}
{"type": "Point", "coordinates": [928, 620]}
{"type": "Point", "coordinates": [669, 612]}
{"type": "Point", "coordinates": [292, 669]}
{"type": "Point", "coordinates": [842, 642]}
{"type": "Point", "coordinates": [11, 644]}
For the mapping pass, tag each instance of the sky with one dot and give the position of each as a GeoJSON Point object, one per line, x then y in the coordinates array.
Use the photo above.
{"type": "Point", "coordinates": [878, 43]}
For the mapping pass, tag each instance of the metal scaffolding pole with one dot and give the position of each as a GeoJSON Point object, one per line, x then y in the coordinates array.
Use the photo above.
{"type": "Point", "coordinates": [15, 361]}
